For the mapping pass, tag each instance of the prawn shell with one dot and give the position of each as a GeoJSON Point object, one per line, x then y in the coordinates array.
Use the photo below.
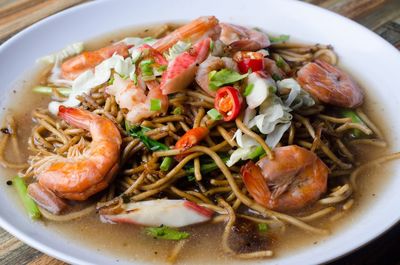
{"type": "Point", "coordinates": [330, 85]}
{"type": "Point", "coordinates": [172, 213]}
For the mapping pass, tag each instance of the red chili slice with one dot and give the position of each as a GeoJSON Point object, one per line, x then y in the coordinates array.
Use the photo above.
{"type": "Point", "coordinates": [249, 60]}
{"type": "Point", "coordinates": [228, 102]}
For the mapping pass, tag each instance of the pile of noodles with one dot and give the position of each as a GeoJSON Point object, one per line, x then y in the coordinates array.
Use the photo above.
{"type": "Point", "coordinates": [140, 179]}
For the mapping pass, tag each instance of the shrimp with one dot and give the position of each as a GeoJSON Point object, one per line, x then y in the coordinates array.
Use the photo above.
{"type": "Point", "coordinates": [134, 98]}
{"type": "Point", "coordinates": [182, 70]}
{"type": "Point", "coordinates": [239, 38]}
{"type": "Point", "coordinates": [210, 64]}
{"type": "Point", "coordinates": [295, 179]}
{"type": "Point", "coordinates": [172, 213]}
{"type": "Point", "coordinates": [272, 69]}
{"type": "Point", "coordinates": [194, 31]}
{"type": "Point", "coordinates": [330, 85]}
{"type": "Point", "coordinates": [74, 66]}
{"type": "Point", "coordinates": [78, 178]}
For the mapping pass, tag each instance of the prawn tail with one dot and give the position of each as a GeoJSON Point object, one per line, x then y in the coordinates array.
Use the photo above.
{"type": "Point", "coordinates": [76, 117]}
{"type": "Point", "coordinates": [255, 183]}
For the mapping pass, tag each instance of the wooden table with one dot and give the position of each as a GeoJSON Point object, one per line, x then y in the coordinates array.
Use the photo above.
{"type": "Point", "coordinates": [381, 16]}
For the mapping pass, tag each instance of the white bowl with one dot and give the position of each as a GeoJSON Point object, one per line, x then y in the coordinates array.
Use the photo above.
{"type": "Point", "coordinates": [372, 60]}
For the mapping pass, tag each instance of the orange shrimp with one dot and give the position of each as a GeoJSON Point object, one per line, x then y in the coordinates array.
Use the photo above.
{"type": "Point", "coordinates": [74, 66]}
{"type": "Point", "coordinates": [189, 139]}
{"type": "Point", "coordinates": [194, 31]}
{"type": "Point", "coordinates": [77, 178]}
{"type": "Point", "coordinates": [330, 84]}
{"type": "Point", "coordinates": [295, 179]}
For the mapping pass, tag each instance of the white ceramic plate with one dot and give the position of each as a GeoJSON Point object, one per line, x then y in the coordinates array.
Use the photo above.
{"type": "Point", "coordinates": [372, 60]}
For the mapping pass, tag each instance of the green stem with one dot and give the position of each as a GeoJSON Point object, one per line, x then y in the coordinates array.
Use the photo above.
{"type": "Point", "coordinates": [29, 204]}
{"type": "Point", "coordinates": [65, 91]}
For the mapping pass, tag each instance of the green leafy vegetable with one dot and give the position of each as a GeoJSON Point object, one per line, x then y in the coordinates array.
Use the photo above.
{"type": "Point", "coordinates": [214, 114]}
{"type": "Point", "coordinates": [139, 132]}
{"type": "Point", "coordinates": [165, 232]}
{"type": "Point", "coordinates": [177, 111]}
{"type": "Point", "coordinates": [65, 91]}
{"type": "Point", "coordinates": [280, 38]}
{"type": "Point", "coordinates": [166, 163]}
{"type": "Point", "coordinates": [262, 227]}
{"type": "Point", "coordinates": [224, 77]}
{"type": "Point", "coordinates": [29, 204]}
{"type": "Point", "coordinates": [155, 104]}
{"type": "Point", "coordinates": [248, 90]}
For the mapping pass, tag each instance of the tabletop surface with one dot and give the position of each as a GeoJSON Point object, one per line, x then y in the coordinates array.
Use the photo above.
{"type": "Point", "coordinates": [381, 16]}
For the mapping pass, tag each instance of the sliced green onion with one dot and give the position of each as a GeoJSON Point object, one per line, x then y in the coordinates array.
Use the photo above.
{"type": "Point", "coordinates": [29, 204]}
{"type": "Point", "coordinates": [155, 104]}
{"type": "Point", "coordinates": [111, 81]}
{"type": "Point", "coordinates": [211, 45]}
{"type": "Point", "coordinates": [135, 79]}
{"type": "Point", "coordinates": [248, 90]}
{"type": "Point", "coordinates": [257, 152]}
{"type": "Point", "coordinates": [262, 227]}
{"type": "Point", "coordinates": [65, 91]}
{"type": "Point", "coordinates": [166, 163]}
{"type": "Point", "coordinates": [177, 111]}
{"type": "Point", "coordinates": [214, 114]}
{"type": "Point", "coordinates": [280, 38]}
{"type": "Point", "coordinates": [280, 62]}
{"type": "Point", "coordinates": [146, 67]}
{"type": "Point", "coordinates": [162, 68]}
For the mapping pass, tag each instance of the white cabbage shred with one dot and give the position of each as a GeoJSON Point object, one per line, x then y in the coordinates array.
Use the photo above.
{"type": "Point", "coordinates": [101, 73]}
{"type": "Point", "coordinates": [92, 78]}
{"type": "Point", "coordinates": [273, 116]}
{"type": "Point", "coordinates": [176, 49]}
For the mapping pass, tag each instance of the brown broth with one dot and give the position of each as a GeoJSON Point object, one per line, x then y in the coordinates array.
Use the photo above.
{"type": "Point", "coordinates": [128, 242]}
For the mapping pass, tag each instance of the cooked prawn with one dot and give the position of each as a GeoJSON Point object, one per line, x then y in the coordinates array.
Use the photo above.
{"type": "Point", "coordinates": [189, 139]}
{"type": "Point", "coordinates": [74, 66]}
{"type": "Point", "coordinates": [295, 179]}
{"type": "Point", "coordinates": [210, 64]}
{"type": "Point", "coordinates": [194, 31]}
{"type": "Point", "coordinates": [330, 84]}
{"type": "Point", "coordinates": [79, 177]}
{"type": "Point", "coordinates": [239, 38]}
{"type": "Point", "coordinates": [134, 99]}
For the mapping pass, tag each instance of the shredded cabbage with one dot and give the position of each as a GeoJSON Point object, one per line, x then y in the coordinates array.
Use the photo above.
{"type": "Point", "coordinates": [261, 89]}
{"type": "Point", "coordinates": [90, 79]}
{"type": "Point", "coordinates": [178, 48]}
{"type": "Point", "coordinates": [297, 97]}
{"type": "Point", "coordinates": [70, 50]}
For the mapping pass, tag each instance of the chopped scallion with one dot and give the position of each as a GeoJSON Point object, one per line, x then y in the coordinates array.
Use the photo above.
{"type": "Point", "coordinates": [214, 114]}
{"type": "Point", "coordinates": [155, 104]}
{"type": "Point", "coordinates": [166, 163]}
{"type": "Point", "coordinates": [165, 232]}
{"type": "Point", "coordinates": [257, 152]}
{"type": "Point", "coordinates": [280, 38]}
{"type": "Point", "coordinates": [177, 111]}
{"type": "Point", "coordinates": [262, 227]}
{"type": "Point", "coordinates": [65, 91]}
